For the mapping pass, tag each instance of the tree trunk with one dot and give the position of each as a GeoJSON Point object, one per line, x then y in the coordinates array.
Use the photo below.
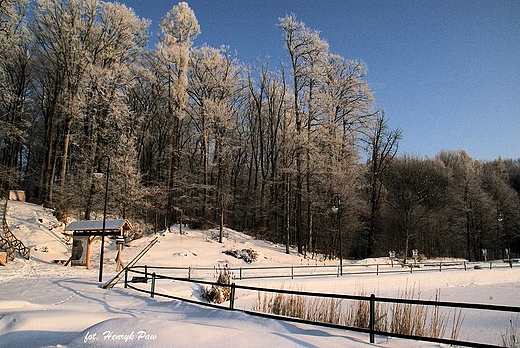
{"type": "Point", "coordinates": [66, 141]}
{"type": "Point", "coordinates": [174, 169]}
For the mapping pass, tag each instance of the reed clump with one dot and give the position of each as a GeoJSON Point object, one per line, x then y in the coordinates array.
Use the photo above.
{"type": "Point", "coordinates": [401, 318]}
{"type": "Point", "coordinates": [511, 338]}
{"type": "Point", "coordinates": [325, 310]}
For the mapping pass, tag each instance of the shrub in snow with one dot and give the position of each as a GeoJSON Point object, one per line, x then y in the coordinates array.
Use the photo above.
{"type": "Point", "coordinates": [219, 294]}
{"type": "Point", "coordinates": [248, 255]}
{"type": "Point", "coordinates": [63, 213]}
{"type": "Point", "coordinates": [136, 235]}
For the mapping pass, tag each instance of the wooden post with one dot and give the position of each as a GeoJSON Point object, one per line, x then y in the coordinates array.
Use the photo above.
{"type": "Point", "coordinates": [89, 241]}
{"type": "Point", "coordinates": [232, 298]}
{"type": "Point", "coordinates": [152, 290]}
{"type": "Point", "coordinates": [118, 259]}
{"type": "Point", "coordinates": [372, 318]}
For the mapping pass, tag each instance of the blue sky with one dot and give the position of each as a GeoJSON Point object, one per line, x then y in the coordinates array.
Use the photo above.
{"type": "Point", "coordinates": [447, 72]}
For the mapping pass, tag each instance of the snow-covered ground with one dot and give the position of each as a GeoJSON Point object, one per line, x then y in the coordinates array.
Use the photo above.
{"type": "Point", "coordinates": [46, 304]}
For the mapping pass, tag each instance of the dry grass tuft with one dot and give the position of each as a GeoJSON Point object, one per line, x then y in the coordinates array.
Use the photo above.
{"type": "Point", "coordinates": [408, 319]}
{"type": "Point", "coordinates": [511, 338]}
{"type": "Point", "coordinates": [297, 306]}
{"type": "Point", "coordinates": [219, 294]}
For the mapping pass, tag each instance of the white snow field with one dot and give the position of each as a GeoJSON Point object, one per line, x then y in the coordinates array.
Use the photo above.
{"type": "Point", "coordinates": [44, 304]}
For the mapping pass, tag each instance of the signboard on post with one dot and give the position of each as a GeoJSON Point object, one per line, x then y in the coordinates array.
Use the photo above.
{"type": "Point", "coordinates": [80, 251]}
{"type": "Point", "coordinates": [392, 257]}
{"type": "Point", "coordinates": [415, 254]}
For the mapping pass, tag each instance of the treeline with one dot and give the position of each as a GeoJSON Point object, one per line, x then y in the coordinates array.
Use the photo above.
{"type": "Point", "coordinates": [193, 134]}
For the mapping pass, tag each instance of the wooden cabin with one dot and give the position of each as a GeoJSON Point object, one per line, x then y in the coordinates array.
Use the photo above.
{"type": "Point", "coordinates": [84, 232]}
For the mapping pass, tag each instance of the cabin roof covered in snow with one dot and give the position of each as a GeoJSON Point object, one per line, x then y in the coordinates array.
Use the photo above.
{"type": "Point", "coordinates": [95, 227]}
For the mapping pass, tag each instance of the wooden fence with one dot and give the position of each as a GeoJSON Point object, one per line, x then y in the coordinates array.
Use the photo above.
{"type": "Point", "coordinates": [140, 276]}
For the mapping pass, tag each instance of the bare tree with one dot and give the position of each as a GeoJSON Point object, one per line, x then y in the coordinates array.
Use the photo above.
{"type": "Point", "coordinates": [382, 146]}
{"type": "Point", "coordinates": [15, 79]}
{"type": "Point", "coordinates": [305, 49]}
{"type": "Point", "coordinates": [416, 189]}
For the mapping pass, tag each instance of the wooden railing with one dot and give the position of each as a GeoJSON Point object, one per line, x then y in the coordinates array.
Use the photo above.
{"type": "Point", "coordinates": [9, 242]}
{"type": "Point", "coordinates": [373, 325]}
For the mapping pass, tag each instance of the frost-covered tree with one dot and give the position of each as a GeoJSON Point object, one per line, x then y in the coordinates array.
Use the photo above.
{"type": "Point", "coordinates": [84, 50]}
{"type": "Point", "coordinates": [7, 10]}
{"type": "Point", "coordinates": [106, 121]}
{"type": "Point", "coordinates": [305, 49]}
{"type": "Point", "coordinates": [343, 109]}
{"type": "Point", "coordinates": [215, 93]}
{"type": "Point", "coordinates": [266, 153]}
{"type": "Point", "coordinates": [15, 80]}
{"type": "Point", "coordinates": [66, 37]}
{"type": "Point", "coordinates": [264, 121]}
{"type": "Point", "coordinates": [179, 28]}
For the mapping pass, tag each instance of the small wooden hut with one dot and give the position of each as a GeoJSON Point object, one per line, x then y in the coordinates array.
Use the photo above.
{"type": "Point", "coordinates": [84, 232]}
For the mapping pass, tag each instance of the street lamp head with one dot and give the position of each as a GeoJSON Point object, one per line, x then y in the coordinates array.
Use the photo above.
{"type": "Point", "coordinates": [336, 204]}
{"type": "Point", "coordinates": [107, 168]}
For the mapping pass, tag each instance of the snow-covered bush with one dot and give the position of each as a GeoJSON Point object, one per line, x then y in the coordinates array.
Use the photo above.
{"type": "Point", "coordinates": [248, 255]}
{"type": "Point", "coordinates": [219, 294]}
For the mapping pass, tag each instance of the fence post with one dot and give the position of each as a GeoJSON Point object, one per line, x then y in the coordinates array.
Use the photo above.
{"type": "Point", "coordinates": [372, 317]}
{"type": "Point", "coordinates": [240, 273]}
{"type": "Point", "coordinates": [126, 277]}
{"type": "Point", "coordinates": [377, 269]}
{"type": "Point", "coordinates": [440, 266]}
{"type": "Point", "coordinates": [189, 272]}
{"type": "Point", "coordinates": [292, 272]}
{"type": "Point", "coordinates": [465, 268]}
{"type": "Point", "coordinates": [146, 272]}
{"type": "Point", "coordinates": [232, 299]}
{"type": "Point", "coordinates": [152, 290]}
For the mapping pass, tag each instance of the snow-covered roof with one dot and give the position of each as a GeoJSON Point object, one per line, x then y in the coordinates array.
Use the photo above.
{"type": "Point", "coordinates": [95, 227]}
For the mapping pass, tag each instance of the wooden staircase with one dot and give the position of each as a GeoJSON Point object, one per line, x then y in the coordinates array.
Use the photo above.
{"type": "Point", "coordinates": [8, 240]}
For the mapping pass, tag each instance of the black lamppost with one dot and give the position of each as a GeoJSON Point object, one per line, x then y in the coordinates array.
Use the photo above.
{"type": "Point", "coordinates": [104, 212]}
{"type": "Point", "coordinates": [500, 219]}
{"type": "Point", "coordinates": [336, 208]}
